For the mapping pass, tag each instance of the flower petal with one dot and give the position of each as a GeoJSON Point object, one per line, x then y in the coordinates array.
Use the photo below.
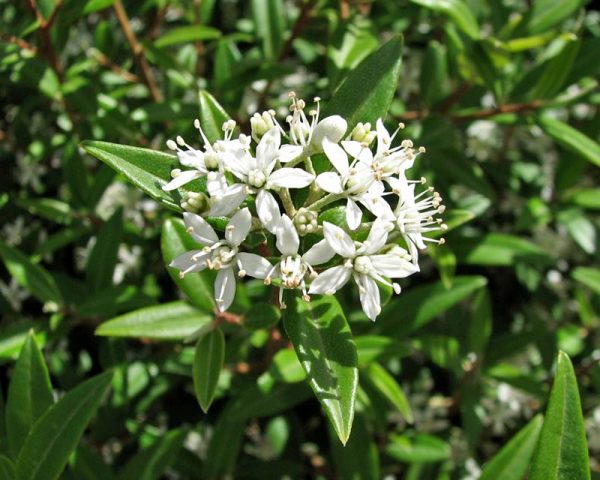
{"type": "Point", "coordinates": [369, 295]}
{"type": "Point", "coordinates": [193, 159]}
{"type": "Point", "coordinates": [359, 151]}
{"type": "Point", "coordinates": [330, 280]}
{"type": "Point", "coordinates": [231, 199]}
{"type": "Point", "coordinates": [268, 210]}
{"type": "Point", "coordinates": [332, 128]}
{"type": "Point", "coordinates": [338, 240]}
{"type": "Point", "coordinates": [319, 253]}
{"type": "Point", "coordinates": [216, 184]}
{"type": "Point", "coordinates": [330, 182]}
{"type": "Point", "coordinates": [383, 137]}
{"type": "Point", "coordinates": [238, 227]}
{"type": "Point", "coordinates": [180, 180]}
{"type": "Point", "coordinates": [392, 266]}
{"type": "Point", "coordinates": [254, 265]}
{"type": "Point", "coordinates": [192, 261]}
{"type": "Point", "coordinates": [290, 178]}
{"type": "Point", "coordinates": [287, 153]}
{"type": "Point", "coordinates": [199, 229]}
{"type": "Point", "coordinates": [288, 241]}
{"type": "Point", "coordinates": [225, 288]}
{"type": "Point", "coordinates": [376, 239]}
{"type": "Point", "coordinates": [336, 156]}
{"type": "Point", "coordinates": [267, 148]}
{"type": "Point", "coordinates": [353, 214]}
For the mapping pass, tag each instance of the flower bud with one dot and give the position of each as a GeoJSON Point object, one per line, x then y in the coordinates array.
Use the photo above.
{"type": "Point", "coordinates": [333, 128]}
{"type": "Point", "coordinates": [362, 133]}
{"type": "Point", "coordinates": [195, 202]}
{"type": "Point", "coordinates": [261, 124]}
{"type": "Point", "coordinates": [305, 221]}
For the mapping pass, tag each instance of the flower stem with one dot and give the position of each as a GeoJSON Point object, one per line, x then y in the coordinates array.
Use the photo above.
{"type": "Point", "coordinates": [326, 200]}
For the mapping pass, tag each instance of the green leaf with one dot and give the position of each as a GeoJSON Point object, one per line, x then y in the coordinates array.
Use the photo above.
{"type": "Point", "coordinates": [33, 277]}
{"type": "Point", "coordinates": [148, 170]}
{"type": "Point", "coordinates": [262, 316]}
{"type": "Point", "coordinates": [151, 463]}
{"type": "Point", "coordinates": [562, 451]}
{"type": "Point", "coordinates": [420, 305]}
{"type": "Point", "coordinates": [588, 276]}
{"type": "Point", "coordinates": [269, 22]}
{"type": "Point", "coordinates": [513, 460]}
{"type": "Point", "coordinates": [457, 11]}
{"type": "Point", "coordinates": [359, 458]}
{"type": "Point", "coordinates": [585, 197]}
{"type": "Point", "coordinates": [103, 257]}
{"type": "Point", "coordinates": [7, 468]}
{"type": "Point", "coordinates": [480, 324]}
{"type": "Point", "coordinates": [49, 208]}
{"type": "Point", "coordinates": [374, 347]}
{"type": "Point", "coordinates": [368, 91]}
{"type": "Point", "coordinates": [186, 34]}
{"type": "Point", "coordinates": [418, 449]}
{"type": "Point", "coordinates": [29, 394]}
{"type": "Point", "coordinates": [323, 342]}
{"type": "Point", "coordinates": [499, 249]}
{"type": "Point", "coordinates": [434, 73]}
{"type": "Point", "coordinates": [56, 434]}
{"type": "Point", "coordinates": [546, 14]}
{"type": "Point", "coordinates": [14, 335]}
{"type": "Point", "coordinates": [174, 241]}
{"type": "Point", "coordinates": [208, 363]}
{"type": "Point", "coordinates": [571, 139]}
{"type": "Point", "coordinates": [212, 116]}
{"type": "Point", "coordinates": [87, 464]}
{"type": "Point", "coordinates": [377, 376]}
{"type": "Point", "coordinates": [556, 72]}
{"type": "Point", "coordinates": [169, 321]}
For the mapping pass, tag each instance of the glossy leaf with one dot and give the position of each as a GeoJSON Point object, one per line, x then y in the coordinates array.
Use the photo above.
{"type": "Point", "coordinates": [418, 449]}
{"type": "Point", "coordinates": [56, 434]}
{"type": "Point", "coordinates": [269, 22]}
{"type": "Point", "coordinates": [197, 287]}
{"type": "Point", "coordinates": [33, 277]}
{"type": "Point", "coordinates": [212, 116]}
{"type": "Point", "coordinates": [499, 249]}
{"type": "Point", "coordinates": [513, 460]}
{"type": "Point", "coordinates": [571, 139]}
{"type": "Point", "coordinates": [323, 342]}
{"type": "Point", "coordinates": [208, 363]}
{"type": "Point", "coordinates": [367, 93]}
{"type": "Point", "coordinates": [420, 305]}
{"type": "Point", "coordinates": [389, 388]}
{"type": "Point", "coordinates": [149, 170]}
{"type": "Point", "coordinates": [458, 11]}
{"type": "Point", "coordinates": [169, 321]}
{"type": "Point", "coordinates": [29, 394]}
{"type": "Point", "coordinates": [186, 34]}
{"type": "Point", "coordinates": [359, 458]}
{"type": "Point", "coordinates": [562, 451]}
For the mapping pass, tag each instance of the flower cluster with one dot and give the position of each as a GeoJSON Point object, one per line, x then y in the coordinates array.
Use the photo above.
{"type": "Point", "coordinates": [280, 181]}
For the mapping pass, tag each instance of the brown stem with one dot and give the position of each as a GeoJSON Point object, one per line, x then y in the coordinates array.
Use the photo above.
{"type": "Point", "coordinates": [106, 62]}
{"type": "Point", "coordinates": [138, 52]}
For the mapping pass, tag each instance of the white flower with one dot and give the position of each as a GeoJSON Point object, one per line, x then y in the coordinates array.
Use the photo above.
{"type": "Point", "coordinates": [365, 264]}
{"type": "Point", "coordinates": [356, 181]}
{"type": "Point", "coordinates": [416, 215]}
{"type": "Point", "coordinates": [222, 255]}
{"type": "Point", "coordinates": [292, 267]}
{"type": "Point", "coordinates": [258, 175]}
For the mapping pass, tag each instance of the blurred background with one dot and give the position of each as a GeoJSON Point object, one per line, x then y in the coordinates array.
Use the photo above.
{"type": "Point", "coordinates": [503, 94]}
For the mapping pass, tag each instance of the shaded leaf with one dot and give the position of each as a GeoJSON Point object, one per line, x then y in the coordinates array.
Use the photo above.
{"type": "Point", "coordinates": [207, 366]}
{"type": "Point", "coordinates": [571, 139]}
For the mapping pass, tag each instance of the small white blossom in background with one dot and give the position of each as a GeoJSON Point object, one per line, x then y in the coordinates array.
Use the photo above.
{"type": "Point", "coordinates": [267, 185]}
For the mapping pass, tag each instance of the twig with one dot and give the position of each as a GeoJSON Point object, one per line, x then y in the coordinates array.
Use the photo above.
{"type": "Point", "coordinates": [106, 62]}
{"type": "Point", "coordinates": [19, 42]}
{"type": "Point", "coordinates": [138, 52]}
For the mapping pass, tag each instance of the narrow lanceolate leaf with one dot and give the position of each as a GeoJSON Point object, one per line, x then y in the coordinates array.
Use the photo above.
{"type": "Point", "coordinates": [7, 468]}
{"type": "Point", "coordinates": [103, 257]}
{"type": "Point", "coordinates": [562, 452]}
{"type": "Point", "coordinates": [56, 434]}
{"type": "Point", "coordinates": [29, 394]}
{"type": "Point", "coordinates": [557, 71]}
{"type": "Point", "coordinates": [417, 307]}
{"type": "Point", "coordinates": [385, 384]}
{"type": "Point", "coordinates": [499, 249]}
{"type": "Point", "coordinates": [571, 139]}
{"type": "Point", "coordinates": [208, 363]}
{"type": "Point", "coordinates": [588, 276]}
{"type": "Point", "coordinates": [269, 22]}
{"type": "Point", "coordinates": [513, 460]}
{"type": "Point", "coordinates": [149, 170]}
{"type": "Point", "coordinates": [169, 321]}
{"type": "Point", "coordinates": [367, 93]}
{"type": "Point", "coordinates": [457, 10]}
{"type": "Point", "coordinates": [33, 277]}
{"type": "Point", "coordinates": [197, 287]}
{"type": "Point", "coordinates": [188, 33]}
{"type": "Point", "coordinates": [546, 14]}
{"type": "Point", "coordinates": [151, 463]}
{"type": "Point", "coordinates": [212, 116]}
{"type": "Point", "coordinates": [359, 458]}
{"type": "Point", "coordinates": [323, 342]}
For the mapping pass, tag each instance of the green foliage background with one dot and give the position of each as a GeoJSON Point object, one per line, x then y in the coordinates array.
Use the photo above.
{"type": "Point", "coordinates": [503, 94]}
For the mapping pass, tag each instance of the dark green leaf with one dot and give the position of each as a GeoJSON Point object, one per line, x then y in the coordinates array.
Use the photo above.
{"type": "Point", "coordinates": [269, 22]}
{"type": "Point", "coordinates": [323, 342]}
{"type": "Point", "coordinates": [56, 434]}
{"type": "Point", "coordinates": [562, 451]}
{"type": "Point", "coordinates": [499, 249]}
{"type": "Point", "coordinates": [208, 363]}
{"type": "Point", "coordinates": [367, 93]}
{"type": "Point", "coordinates": [169, 321]}
{"type": "Point", "coordinates": [196, 286]}
{"type": "Point", "coordinates": [359, 458]}
{"type": "Point", "coordinates": [546, 14]}
{"type": "Point", "coordinates": [103, 257]}
{"type": "Point", "coordinates": [212, 117]}
{"type": "Point", "coordinates": [7, 468]}
{"type": "Point", "coordinates": [377, 376]}
{"type": "Point", "coordinates": [418, 449]}
{"type": "Point", "coordinates": [30, 276]}
{"type": "Point", "coordinates": [513, 460]}
{"type": "Point", "coordinates": [588, 276]}
{"type": "Point", "coordinates": [457, 10]}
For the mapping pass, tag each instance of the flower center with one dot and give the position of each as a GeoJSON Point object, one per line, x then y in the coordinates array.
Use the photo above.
{"type": "Point", "coordinates": [256, 178]}
{"type": "Point", "coordinates": [221, 257]}
{"type": "Point", "coordinates": [211, 160]}
{"type": "Point", "coordinates": [363, 264]}
{"type": "Point", "coordinates": [293, 270]}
